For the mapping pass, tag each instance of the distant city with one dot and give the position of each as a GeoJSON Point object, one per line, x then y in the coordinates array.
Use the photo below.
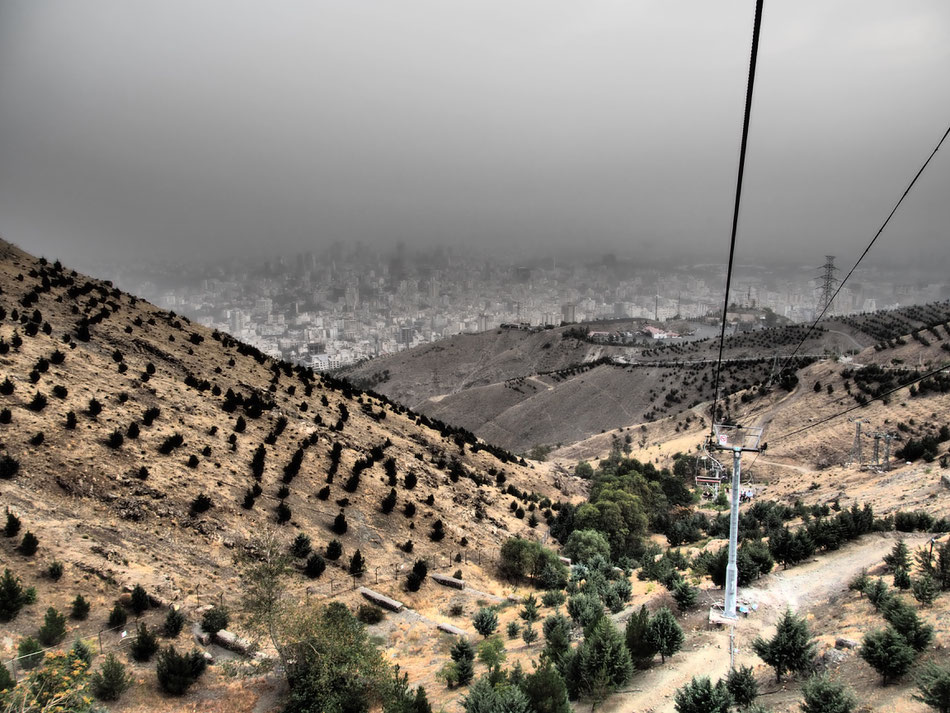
{"type": "Point", "coordinates": [335, 307]}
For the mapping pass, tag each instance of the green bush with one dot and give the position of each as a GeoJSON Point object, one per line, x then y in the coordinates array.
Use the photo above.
{"type": "Point", "coordinates": [790, 650]}
{"type": "Point", "coordinates": [30, 653]}
{"type": "Point", "coordinates": [174, 622]}
{"type": "Point", "coordinates": [12, 596]}
{"type": "Point", "coordinates": [55, 570]}
{"type": "Point", "coordinates": [888, 653]}
{"type": "Point", "coordinates": [117, 617]}
{"type": "Point", "coordinates": [315, 565]}
{"type": "Point", "coordinates": [145, 644]}
{"type": "Point", "coordinates": [215, 619]}
{"type": "Point", "coordinates": [29, 544]}
{"type": "Point", "coordinates": [139, 600]}
{"type": "Point", "coordinates": [177, 672]}
{"type": "Point", "coordinates": [701, 696]}
{"type": "Point", "coordinates": [110, 681]}
{"type": "Point", "coordinates": [485, 621]}
{"type": "Point", "coordinates": [821, 695]}
{"type": "Point", "coordinates": [53, 629]}
{"type": "Point", "coordinates": [80, 608]}
{"type": "Point", "coordinates": [369, 614]}
{"type": "Point", "coordinates": [933, 685]}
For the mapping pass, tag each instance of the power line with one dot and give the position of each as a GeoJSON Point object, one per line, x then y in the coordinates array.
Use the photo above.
{"type": "Point", "coordinates": [756, 28]}
{"type": "Point", "coordinates": [858, 406]}
{"type": "Point", "coordinates": [870, 244]}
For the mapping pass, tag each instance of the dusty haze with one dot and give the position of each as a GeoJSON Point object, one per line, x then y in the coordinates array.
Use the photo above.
{"type": "Point", "coordinates": [151, 129]}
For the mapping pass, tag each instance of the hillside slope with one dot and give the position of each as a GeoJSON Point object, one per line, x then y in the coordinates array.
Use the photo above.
{"type": "Point", "coordinates": [127, 441]}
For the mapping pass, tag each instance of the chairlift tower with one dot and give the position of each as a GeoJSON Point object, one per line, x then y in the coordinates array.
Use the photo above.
{"type": "Point", "coordinates": [739, 440]}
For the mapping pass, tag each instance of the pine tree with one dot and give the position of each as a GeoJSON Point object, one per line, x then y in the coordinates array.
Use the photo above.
{"type": "Point", "coordinates": [790, 650]}
{"type": "Point", "coordinates": [315, 566]}
{"type": "Point", "coordinates": [139, 600]}
{"type": "Point", "coordinates": [905, 620]}
{"type": "Point", "coordinates": [701, 696]}
{"type": "Point", "coordinates": [742, 686]}
{"type": "Point", "coordinates": [173, 624]}
{"type": "Point", "coordinates": [545, 690]}
{"type": "Point", "coordinates": [176, 672]}
{"type": "Point", "coordinates": [485, 621]}
{"type": "Point", "coordinates": [463, 654]}
{"type": "Point", "coordinates": [80, 608]}
{"type": "Point", "coordinates": [53, 629]}
{"type": "Point", "coordinates": [888, 653]}
{"type": "Point", "coordinates": [111, 681]}
{"type": "Point", "coordinates": [301, 546]}
{"type": "Point", "coordinates": [603, 650]}
{"type": "Point", "coordinates": [357, 564]}
{"type": "Point", "coordinates": [145, 644]}
{"type": "Point", "coordinates": [638, 644]}
{"type": "Point", "coordinates": [925, 589]}
{"type": "Point", "coordinates": [12, 596]}
{"type": "Point", "coordinates": [898, 558]}
{"type": "Point", "coordinates": [821, 695]}
{"type": "Point", "coordinates": [12, 528]}
{"type": "Point", "coordinates": [664, 633]}
{"type": "Point", "coordinates": [557, 637]}
{"type": "Point", "coordinates": [117, 617]}
{"type": "Point", "coordinates": [684, 594]}
{"type": "Point", "coordinates": [933, 685]}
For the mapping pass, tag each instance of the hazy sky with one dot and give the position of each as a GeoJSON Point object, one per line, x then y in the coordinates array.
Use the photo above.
{"type": "Point", "coordinates": [175, 127]}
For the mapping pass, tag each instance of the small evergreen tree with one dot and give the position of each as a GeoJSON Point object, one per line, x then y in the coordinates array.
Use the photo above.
{"type": "Point", "coordinates": [12, 596]}
{"type": "Point", "coordinates": [315, 566]}
{"type": "Point", "coordinates": [603, 654]}
{"type": "Point", "coordinates": [29, 544]}
{"type": "Point", "coordinates": [117, 617]}
{"type": "Point", "coordinates": [55, 570]}
{"type": "Point", "coordinates": [215, 619]}
{"type": "Point", "coordinates": [485, 621]}
{"type": "Point", "coordinates": [334, 550]}
{"type": "Point", "coordinates": [110, 681]}
{"type": "Point", "coordinates": [357, 564]}
{"type": "Point", "coordinates": [898, 558]}
{"type": "Point", "coordinates": [301, 546]}
{"type": "Point", "coordinates": [528, 634]}
{"type": "Point", "coordinates": [463, 655]}
{"type": "Point", "coordinates": [339, 524]}
{"type": "Point", "coordinates": [902, 578]}
{"type": "Point", "coordinates": [925, 589]}
{"type": "Point", "coordinates": [144, 645]}
{"type": "Point", "coordinates": [81, 652]}
{"type": "Point", "coordinates": [821, 695]}
{"type": "Point", "coordinates": [906, 621]}
{"type": "Point", "coordinates": [176, 672]}
{"type": "Point", "coordinates": [684, 594]}
{"type": "Point", "coordinates": [54, 627]}
{"type": "Point", "coordinates": [80, 608]}
{"type": "Point", "coordinates": [888, 653]}
{"type": "Point", "coordinates": [635, 636]}
{"type": "Point", "coordinates": [513, 629]}
{"type": "Point", "coordinates": [173, 624]}
{"type": "Point", "coordinates": [557, 637]}
{"type": "Point", "coordinates": [139, 600]}
{"type": "Point", "coordinates": [545, 690]}
{"type": "Point", "coordinates": [30, 653]}
{"type": "Point", "coordinates": [12, 528]}
{"type": "Point", "coordinates": [417, 576]}
{"type": "Point", "coordinates": [790, 650]}
{"type": "Point", "coordinates": [664, 633]}
{"type": "Point", "coordinates": [933, 685]}
{"type": "Point", "coordinates": [701, 696]}
{"type": "Point", "coordinates": [742, 686]}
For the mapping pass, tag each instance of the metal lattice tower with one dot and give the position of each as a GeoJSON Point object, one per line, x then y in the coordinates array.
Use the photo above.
{"type": "Point", "coordinates": [826, 284]}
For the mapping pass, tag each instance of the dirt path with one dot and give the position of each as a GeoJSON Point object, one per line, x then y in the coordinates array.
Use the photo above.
{"type": "Point", "coordinates": [707, 650]}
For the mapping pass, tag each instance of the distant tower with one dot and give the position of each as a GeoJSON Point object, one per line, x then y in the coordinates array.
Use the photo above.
{"type": "Point", "coordinates": [826, 284]}
{"type": "Point", "coordinates": [656, 306]}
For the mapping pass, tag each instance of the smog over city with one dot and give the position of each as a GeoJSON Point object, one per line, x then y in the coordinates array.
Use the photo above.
{"type": "Point", "coordinates": [477, 356]}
